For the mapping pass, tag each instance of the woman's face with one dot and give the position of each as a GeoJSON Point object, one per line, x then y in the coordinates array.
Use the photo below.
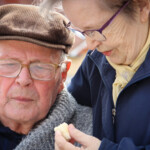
{"type": "Point", "coordinates": [125, 37]}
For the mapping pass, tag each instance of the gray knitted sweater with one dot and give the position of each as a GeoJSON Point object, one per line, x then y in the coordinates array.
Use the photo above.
{"type": "Point", "coordinates": [65, 109]}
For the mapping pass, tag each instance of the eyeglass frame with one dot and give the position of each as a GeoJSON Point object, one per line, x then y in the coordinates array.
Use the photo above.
{"type": "Point", "coordinates": [56, 66]}
{"type": "Point", "coordinates": [106, 24]}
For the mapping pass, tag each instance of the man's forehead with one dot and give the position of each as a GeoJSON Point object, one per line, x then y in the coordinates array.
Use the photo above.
{"type": "Point", "coordinates": [12, 48]}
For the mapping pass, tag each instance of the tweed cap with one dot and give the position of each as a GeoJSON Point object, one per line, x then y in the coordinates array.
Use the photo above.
{"type": "Point", "coordinates": [25, 23]}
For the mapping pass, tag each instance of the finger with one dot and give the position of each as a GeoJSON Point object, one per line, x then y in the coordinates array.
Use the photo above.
{"type": "Point", "coordinates": [79, 136]}
{"type": "Point", "coordinates": [62, 144]}
{"type": "Point", "coordinates": [56, 147]}
{"type": "Point", "coordinates": [87, 141]}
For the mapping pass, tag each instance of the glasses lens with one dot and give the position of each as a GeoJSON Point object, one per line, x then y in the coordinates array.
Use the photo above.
{"type": "Point", "coordinates": [42, 71]}
{"type": "Point", "coordinates": [77, 33]}
{"type": "Point", "coordinates": [95, 35]}
{"type": "Point", "coordinates": [9, 68]}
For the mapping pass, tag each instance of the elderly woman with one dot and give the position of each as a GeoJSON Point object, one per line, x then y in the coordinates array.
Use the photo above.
{"type": "Point", "coordinates": [114, 79]}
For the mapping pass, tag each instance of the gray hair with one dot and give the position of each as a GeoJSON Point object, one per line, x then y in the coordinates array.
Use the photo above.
{"type": "Point", "coordinates": [48, 5]}
{"type": "Point", "coordinates": [63, 58]}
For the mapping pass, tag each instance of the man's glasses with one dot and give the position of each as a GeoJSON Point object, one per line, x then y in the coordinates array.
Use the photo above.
{"type": "Point", "coordinates": [40, 71]}
{"type": "Point", "coordinates": [96, 34]}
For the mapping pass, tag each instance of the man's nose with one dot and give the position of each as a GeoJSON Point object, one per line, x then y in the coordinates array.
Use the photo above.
{"type": "Point", "coordinates": [24, 78]}
{"type": "Point", "coordinates": [92, 43]}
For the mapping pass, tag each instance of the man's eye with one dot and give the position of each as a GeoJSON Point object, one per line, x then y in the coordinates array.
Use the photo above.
{"type": "Point", "coordinates": [9, 64]}
{"type": "Point", "coordinates": [39, 67]}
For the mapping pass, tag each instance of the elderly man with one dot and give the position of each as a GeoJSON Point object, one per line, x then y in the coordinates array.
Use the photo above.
{"type": "Point", "coordinates": [33, 68]}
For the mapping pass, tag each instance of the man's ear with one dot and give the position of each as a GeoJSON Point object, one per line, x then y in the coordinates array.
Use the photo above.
{"type": "Point", "coordinates": [64, 69]}
{"type": "Point", "coordinates": [145, 10]}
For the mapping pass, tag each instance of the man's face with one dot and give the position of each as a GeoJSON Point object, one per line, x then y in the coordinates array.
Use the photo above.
{"type": "Point", "coordinates": [23, 99]}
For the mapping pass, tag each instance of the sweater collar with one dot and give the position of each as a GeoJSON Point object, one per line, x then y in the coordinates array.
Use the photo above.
{"type": "Point", "coordinates": [62, 111]}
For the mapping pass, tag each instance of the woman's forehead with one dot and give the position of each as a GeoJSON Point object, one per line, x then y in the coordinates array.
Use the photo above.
{"type": "Point", "coordinates": [85, 5]}
{"type": "Point", "coordinates": [85, 15]}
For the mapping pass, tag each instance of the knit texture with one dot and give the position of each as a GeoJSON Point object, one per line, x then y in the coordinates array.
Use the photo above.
{"type": "Point", "coordinates": [65, 109]}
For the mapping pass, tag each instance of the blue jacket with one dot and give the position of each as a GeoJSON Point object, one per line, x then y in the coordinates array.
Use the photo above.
{"type": "Point", "coordinates": [129, 127]}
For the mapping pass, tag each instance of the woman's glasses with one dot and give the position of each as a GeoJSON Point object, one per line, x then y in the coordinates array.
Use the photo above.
{"type": "Point", "coordinates": [96, 34]}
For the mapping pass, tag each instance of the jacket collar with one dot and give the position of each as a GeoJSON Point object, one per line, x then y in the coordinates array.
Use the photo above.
{"type": "Point", "coordinates": [105, 69]}
{"type": "Point", "coordinates": [108, 73]}
{"type": "Point", "coordinates": [143, 71]}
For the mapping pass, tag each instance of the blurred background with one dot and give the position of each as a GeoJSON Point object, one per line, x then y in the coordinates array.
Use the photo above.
{"type": "Point", "coordinates": [77, 52]}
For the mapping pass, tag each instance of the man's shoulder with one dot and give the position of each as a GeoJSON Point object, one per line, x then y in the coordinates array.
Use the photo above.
{"type": "Point", "coordinates": [82, 115]}
{"type": "Point", "coordinates": [85, 110]}
{"type": "Point", "coordinates": [82, 119]}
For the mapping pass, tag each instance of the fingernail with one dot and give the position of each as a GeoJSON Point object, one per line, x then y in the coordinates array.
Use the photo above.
{"type": "Point", "coordinates": [71, 126]}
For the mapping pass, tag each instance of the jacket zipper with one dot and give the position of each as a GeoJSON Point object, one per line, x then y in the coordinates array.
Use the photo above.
{"type": "Point", "coordinates": [113, 114]}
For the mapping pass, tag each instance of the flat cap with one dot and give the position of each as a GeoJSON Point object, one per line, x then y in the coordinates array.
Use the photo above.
{"type": "Point", "coordinates": [25, 23]}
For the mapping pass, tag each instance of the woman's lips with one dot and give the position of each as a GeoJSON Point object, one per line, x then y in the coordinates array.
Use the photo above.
{"type": "Point", "coordinates": [107, 53]}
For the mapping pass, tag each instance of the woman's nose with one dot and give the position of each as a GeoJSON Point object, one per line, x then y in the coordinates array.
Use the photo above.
{"type": "Point", "coordinates": [92, 43]}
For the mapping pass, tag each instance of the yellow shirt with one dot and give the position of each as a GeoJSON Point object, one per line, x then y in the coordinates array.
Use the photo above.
{"type": "Point", "coordinates": [124, 73]}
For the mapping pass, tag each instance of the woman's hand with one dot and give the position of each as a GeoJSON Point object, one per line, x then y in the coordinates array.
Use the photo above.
{"type": "Point", "coordinates": [87, 142]}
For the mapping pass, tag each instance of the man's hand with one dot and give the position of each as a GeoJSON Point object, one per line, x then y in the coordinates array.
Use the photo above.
{"type": "Point", "coordinates": [87, 142]}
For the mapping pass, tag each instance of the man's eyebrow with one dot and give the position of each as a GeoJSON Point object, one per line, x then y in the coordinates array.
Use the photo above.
{"type": "Point", "coordinates": [5, 55]}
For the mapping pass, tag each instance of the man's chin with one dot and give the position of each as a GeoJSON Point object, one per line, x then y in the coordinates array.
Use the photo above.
{"type": "Point", "coordinates": [20, 115]}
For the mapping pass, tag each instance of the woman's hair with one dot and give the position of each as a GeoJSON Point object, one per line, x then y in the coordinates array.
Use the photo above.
{"type": "Point", "coordinates": [131, 8]}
